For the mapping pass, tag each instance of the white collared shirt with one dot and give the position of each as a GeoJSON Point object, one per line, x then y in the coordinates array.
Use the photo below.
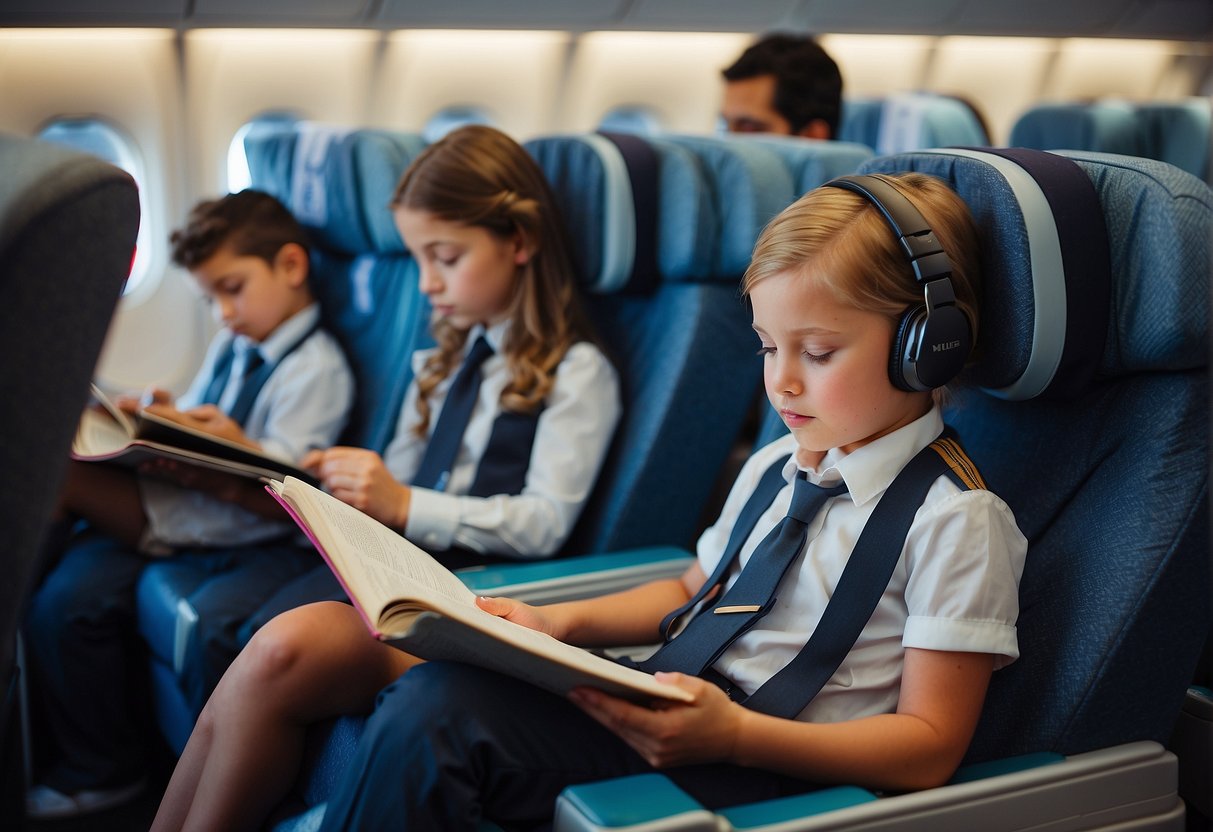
{"type": "Point", "coordinates": [955, 587]}
{"type": "Point", "coordinates": [304, 405]}
{"type": "Point", "coordinates": [571, 441]}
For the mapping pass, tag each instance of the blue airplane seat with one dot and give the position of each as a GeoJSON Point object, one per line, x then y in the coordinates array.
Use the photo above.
{"type": "Point", "coordinates": [1179, 133]}
{"type": "Point", "coordinates": [338, 182]}
{"type": "Point", "coordinates": [1102, 126]}
{"type": "Point", "coordinates": [675, 329]}
{"type": "Point", "coordinates": [68, 223]}
{"type": "Point", "coordinates": [811, 161]}
{"type": "Point", "coordinates": [1088, 412]}
{"type": "Point", "coordinates": [911, 121]}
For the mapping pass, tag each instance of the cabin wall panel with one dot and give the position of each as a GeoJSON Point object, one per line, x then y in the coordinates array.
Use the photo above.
{"type": "Point", "coordinates": [130, 78]}
{"type": "Point", "coordinates": [513, 77]}
{"type": "Point", "coordinates": [675, 76]}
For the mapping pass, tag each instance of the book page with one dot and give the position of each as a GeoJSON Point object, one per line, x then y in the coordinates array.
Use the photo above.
{"type": "Point", "coordinates": [377, 564]}
{"type": "Point", "coordinates": [98, 435]}
{"type": "Point", "coordinates": [125, 422]}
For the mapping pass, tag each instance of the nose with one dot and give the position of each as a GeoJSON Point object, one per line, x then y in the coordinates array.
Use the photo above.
{"type": "Point", "coordinates": [782, 376]}
{"type": "Point", "coordinates": [225, 309]}
{"type": "Point", "coordinates": [429, 283]}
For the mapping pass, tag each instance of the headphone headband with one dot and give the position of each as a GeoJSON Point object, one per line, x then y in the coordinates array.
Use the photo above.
{"type": "Point", "coordinates": [918, 242]}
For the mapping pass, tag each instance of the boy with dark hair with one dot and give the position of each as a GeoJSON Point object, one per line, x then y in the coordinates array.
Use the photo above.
{"type": "Point", "coordinates": [783, 84]}
{"type": "Point", "coordinates": [273, 380]}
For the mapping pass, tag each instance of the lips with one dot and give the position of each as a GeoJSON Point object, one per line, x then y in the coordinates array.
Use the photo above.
{"type": "Point", "coordinates": [793, 419]}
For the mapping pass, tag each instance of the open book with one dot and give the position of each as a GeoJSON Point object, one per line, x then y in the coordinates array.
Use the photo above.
{"type": "Point", "coordinates": [414, 603]}
{"type": "Point", "coordinates": [111, 435]}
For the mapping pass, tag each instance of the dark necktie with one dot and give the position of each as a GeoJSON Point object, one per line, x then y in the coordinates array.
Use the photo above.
{"type": "Point", "coordinates": [753, 593]}
{"type": "Point", "coordinates": [440, 452]}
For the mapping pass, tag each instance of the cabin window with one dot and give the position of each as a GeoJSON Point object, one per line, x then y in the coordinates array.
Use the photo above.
{"type": "Point", "coordinates": [238, 175]}
{"type": "Point", "coordinates": [446, 120]}
{"type": "Point", "coordinates": [631, 119]}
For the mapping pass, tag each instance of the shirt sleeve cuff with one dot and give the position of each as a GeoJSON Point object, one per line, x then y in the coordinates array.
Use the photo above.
{"type": "Point", "coordinates": [964, 637]}
{"type": "Point", "coordinates": [433, 519]}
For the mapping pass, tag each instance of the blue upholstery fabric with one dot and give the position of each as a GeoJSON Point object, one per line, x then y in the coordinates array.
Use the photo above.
{"type": "Point", "coordinates": [749, 184]}
{"type": "Point", "coordinates": [1104, 126]}
{"type": "Point", "coordinates": [1179, 133]}
{"type": "Point", "coordinates": [1111, 485]}
{"type": "Point", "coordinates": [910, 121]}
{"type": "Point", "coordinates": [666, 342]}
{"type": "Point", "coordinates": [812, 162]}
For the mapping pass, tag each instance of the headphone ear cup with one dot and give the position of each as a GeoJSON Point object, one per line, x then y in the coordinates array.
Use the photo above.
{"type": "Point", "coordinates": [910, 323]}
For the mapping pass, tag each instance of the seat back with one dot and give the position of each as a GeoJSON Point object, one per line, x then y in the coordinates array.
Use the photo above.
{"type": "Point", "coordinates": [67, 234]}
{"type": "Point", "coordinates": [1179, 133]}
{"type": "Point", "coordinates": [669, 318]}
{"type": "Point", "coordinates": [338, 183]}
{"type": "Point", "coordinates": [1088, 414]}
{"type": "Point", "coordinates": [910, 121]}
{"type": "Point", "coordinates": [1101, 126]}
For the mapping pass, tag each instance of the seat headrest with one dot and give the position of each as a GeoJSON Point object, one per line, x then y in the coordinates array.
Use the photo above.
{"type": "Point", "coordinates": [1069, 244]}
{"type": "Point", "coordinates": [910, 121]}
{"type": "Point", "coordinates": [748, 184]}
{"type": "Point", "coordinates": [1103, 126]}
{"type": "Point", "coordinates": [812, 162]}
{"type": "Point", "coordinates": [635, 212]}
{"type": "Point", "coordinates": [335, 180]}
{"type": "Point", "coordinates": [1179, 133]}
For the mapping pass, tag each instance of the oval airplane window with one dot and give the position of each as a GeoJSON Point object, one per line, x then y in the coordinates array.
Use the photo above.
{"type": "Point", "coordinates": [95, 136]}
{"type": "Point", "coordinates": [447, 119]}
{"type": "Point", "coordinates": [238, 176]}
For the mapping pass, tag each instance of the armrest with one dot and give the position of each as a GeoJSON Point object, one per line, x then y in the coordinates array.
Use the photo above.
{"type": "Point", "coordinates": [566, 579]}
{"type": "Point", "coordinates": [641, 803]}
{"type": "Point", "coordinates": [1131, 786]}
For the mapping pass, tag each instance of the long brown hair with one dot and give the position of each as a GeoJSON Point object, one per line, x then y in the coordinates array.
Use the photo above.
{"type": "Point", "coordinates": [479, 176]}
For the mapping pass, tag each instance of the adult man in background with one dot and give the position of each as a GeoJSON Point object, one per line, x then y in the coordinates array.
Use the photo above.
{"type": "Point", "coordinates": [784, 84]}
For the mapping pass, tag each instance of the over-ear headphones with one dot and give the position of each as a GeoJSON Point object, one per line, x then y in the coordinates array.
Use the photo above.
{"type": "Point", "coordinates": [933, 340]}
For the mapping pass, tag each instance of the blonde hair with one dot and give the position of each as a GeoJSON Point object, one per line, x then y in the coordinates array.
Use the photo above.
{"type": "Point", "coordinates": [478, 176]}
{"type": "Point", "coordinates": [840, 240]}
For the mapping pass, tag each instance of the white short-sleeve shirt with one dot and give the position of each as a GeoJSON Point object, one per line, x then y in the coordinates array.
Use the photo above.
{"type": "Point", "coordinates": [571, 440]}
{"type": "Point", "coordinates": [304, 405]}
{"type": "Point", "coordinates": [955, 586]}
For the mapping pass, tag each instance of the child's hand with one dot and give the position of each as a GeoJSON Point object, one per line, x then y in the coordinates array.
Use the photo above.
{"type": "Point", "coordinates": [671, 733]}
{"type": "Point", "coordinates": [518, 612]}
{"type": "Point", "coordinates": [206, 418]}
{"type": "Point", "coordinates": [359, 477]}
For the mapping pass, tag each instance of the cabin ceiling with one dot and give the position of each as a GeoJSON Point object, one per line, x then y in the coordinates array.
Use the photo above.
{"type": "Point", "coordinates": [1168, 19]}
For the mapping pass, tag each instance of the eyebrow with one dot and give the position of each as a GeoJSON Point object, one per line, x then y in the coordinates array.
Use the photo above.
{"type": "Point", "coordinates": [808, 330]}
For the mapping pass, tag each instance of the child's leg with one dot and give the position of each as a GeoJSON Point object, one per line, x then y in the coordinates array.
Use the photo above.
{"type": "Point", "coordinates": [80, 635]}
{"type": "Point", "coordinates": [308, 664]}
{"type": "Point", "coordinates": [237, 581]}
{"type": "Point", "coordinates": [107, 497]}
{"type": "Point", "coordinates": [451, 744]}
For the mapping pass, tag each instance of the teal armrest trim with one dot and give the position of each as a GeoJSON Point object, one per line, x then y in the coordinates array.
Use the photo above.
{"type": "Point", "coordinates": [993, 768]}
{"type": "Point", "coordinates": [783, 809]}
{"type": "Point", "coordinates": [485, 578]}
{"type": "Point", "coordinates": [626, 801]}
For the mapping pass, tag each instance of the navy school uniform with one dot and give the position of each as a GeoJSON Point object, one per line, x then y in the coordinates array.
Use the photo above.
{"type": "Point", "coordinates": [84, 652]}
{"type": "Point", "coordinates": [516, 483]}
{"type": "Point", "coordinates": [441, 753]}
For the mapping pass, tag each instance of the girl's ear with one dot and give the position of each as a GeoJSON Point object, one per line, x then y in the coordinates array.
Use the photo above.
{"type": "Point", "coordinates": [524, 249]}
{"type": "Point", "coordinates": [292, 260]}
